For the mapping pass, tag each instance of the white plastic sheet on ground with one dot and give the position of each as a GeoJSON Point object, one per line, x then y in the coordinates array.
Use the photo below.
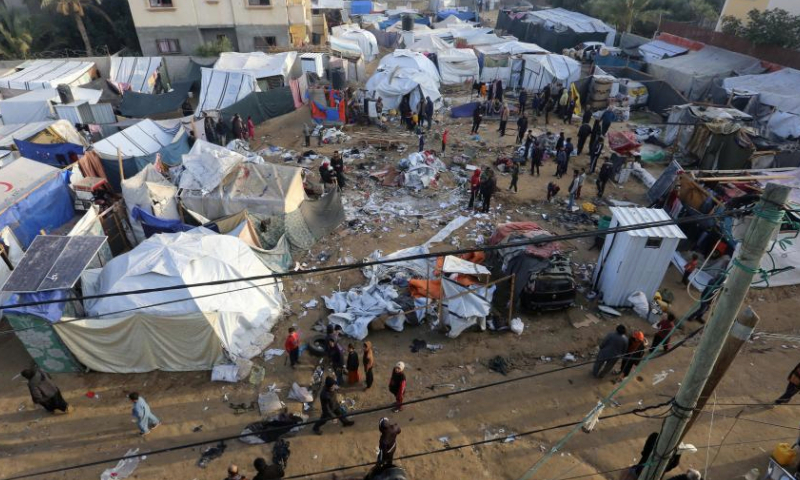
{"type": "Point", "coordinates": [445, 232]}
{"type": "Point", "coordinates": [420, 268]}
{"type": "Point", "coordinates": [467, 310]}
{"type": "Point", "coordinates": [356, 308]}
{"type": "Point", "coordinates": [418, 173]}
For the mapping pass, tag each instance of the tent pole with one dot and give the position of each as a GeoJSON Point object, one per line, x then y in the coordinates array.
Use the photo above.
{"type": "Point", "coordinates": [119, 161]}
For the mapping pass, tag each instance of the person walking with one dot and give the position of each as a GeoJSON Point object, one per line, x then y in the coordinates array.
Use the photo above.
{"type": "Point", "coordinates": [421, 142]}
{"type": "Point", "coordinates": [307, 135]}
{"type": "Point", "coordinates": [581, 179]}
{"type": "Point", "coordinates": [568, 150]}
{"type": "Point", "coordinates": [690, 267]}
{"type": "Point", "coordinates": [583, 133]}
{"type": "Point", "coordinates": [606, 170]}
{"type": "Point", "coordinates": [522, 127]}
{"type": "Point", "coordinates": [352, 365]}
{"type": "Point", "coordinates": [548, 107]}
{"type": "Point", "coordinates": [607, 117]}
{"type": "Point", "coordinates": [397, 385]}
{"type": "Point", "coordinates": [792, 388]}
{"type": "Point", "coordinates": [444, 140]}
{"type": "Point", "coordinates": [614, 345]}
{"type": "Point", "coordinates": [561, 163]}
{"type": "Point", "coordinates": [477, 117]}
{"type": "Point", "coordinates": [560, 141]}
{"type": "Point", "coordinates": [387, 445]}
{"type": "Point", "coordinates": [488, 188]}
{"type": "Point", "coordinates": [145, 419]}
{"type": "Point", "coordinates": [514, 176]}
{"type": "Point", "coordinates": [503, 120]}
{"type": "Point", "coordinates": [337, 162]}
{"type": "Point", "coordinates": [573, 189]}
{"type": "Point", "coordinates": [587, 115]}
{"type": "Point", "coordinates": [569, 111]}
{"type": "Point", "coordinates": [597, 150]}
{"type": "Point", "coordinates": [597, 132]}
{"type": "Point", "coordinates": [336, 357]}
{"type": "Point", "coordinates": [222, 132]}
{"type": "Point", "coordinates": [536, 104]}
{"type": "Point", "coordinates": [537, 156]}
{"type": "Point", "coordinates": [238, 127]}
{"type": "Point", "coordinates": [429, 112]}
{"type": "Point", "coordinates": [523, 101]}
{"type": "Point", "coordinates": [636, 350]}
{"type": "Point", "coordinates": [251, 129]}
{"type": "Point", "coordinates": [368, 360]}
{"type": "Point", "coordinates": [474, 186]}
{"type": "Point", "coordinates": [665, 327]}
{"type": "Point", "coordinates": [330, 407]}
{"type": "Point", "coordinates": [44, 392]}
{"type": "Point", "coordinates": [528, 143]}
{"type": "Point", "coordinates": [292, 346]}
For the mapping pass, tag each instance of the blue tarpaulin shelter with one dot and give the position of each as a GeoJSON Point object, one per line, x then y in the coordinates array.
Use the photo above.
{"type": "Point", "coordinates": [360, 7]}
{"type": "Point", "coordinates": [55, 154]}
{"type": "Point", "coordinates": [152, 224]}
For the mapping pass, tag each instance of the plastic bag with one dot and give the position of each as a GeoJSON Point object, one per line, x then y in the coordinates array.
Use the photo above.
{"type": "Point", "coordinates": [517, 326]}
{"type": "Point", "coordinates": [124, 468]}
{"type": "Point", "coordinates": [300, 394]}
{"type": "Point", "coordinates": [640, 304]}
{"type": "Point", "coordinates": [269, 402]}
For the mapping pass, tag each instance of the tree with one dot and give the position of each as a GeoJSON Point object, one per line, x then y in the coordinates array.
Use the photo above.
{"type": "Point", "coordinates": [77, 10]}
{"type": "Point", "coordinates": [213, 49]}
{"type": "Point", "coordinates": [15, 34]}
{"type": "Point", "coordinates": [770, 27]}
{"type": "Point", "coordinates": [622, 13]}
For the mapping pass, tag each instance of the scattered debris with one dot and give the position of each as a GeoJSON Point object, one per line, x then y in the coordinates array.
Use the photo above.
{"type": "Point", "coordinates": [211, 453]}
{"type": "Point", "coordinates": [124, 468]}
{"type": "Point", "coordinates": [517, 326]}
{"type": "Point", "coordinates": [500, 364]}
{"type": "Point", "coordinates": [272, 353]}
{"type": "Point", "coordinates": [568, 358]}
{"type": "Point", "coordinates": [300, 394]}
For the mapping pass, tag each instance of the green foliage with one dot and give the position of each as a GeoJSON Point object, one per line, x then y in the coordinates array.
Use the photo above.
{"type": "Point", "coordinates": [213, 49]}
{"type": "Point", "coordinates": [773, 27]}
{"type": "Point", "coordinates": [643, 15]}
{"type": "Point", "coordinates": [15, 34]}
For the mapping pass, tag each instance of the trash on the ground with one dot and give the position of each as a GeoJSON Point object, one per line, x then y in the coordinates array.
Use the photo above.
{"type": "Point", "coordinates": [660, 377]}
{"type": "Point", "coordinates": [124, 468]}
{"type": "Point", "coordinates": [568, 358]}
{"type": "Point", "coordinates": [355, 309]}
{"type": "Point", "coordinates": [517, 326]}
{"type": "Point", "coordinates": [197, 429]}
{"type": "Point", "coordinates": [269, 402]}
{"type": "Point", "coordinates": [640, 304]}
{"type": "Point", "coordinates": [445, 440]}
{"type": "Point", "coordinates": [609, 310]}
{"type": "Point", "coordinates": [300, 394]}
{"type": "Point", "coordinates": [687, 447]}
{"type": "Point", "coordinates": [225, 373]}
{"type": "Point", "coordinates": [272, 353]}
{"type": "Point", "coordinates": [257, 375]}
{"type": "Point", "coordinates": [589, 321]}
{"type": "Point", "coordinates": [270, 430]}
{"type": "Point", "coordinates": [500, 364]}
{"type": "Point", "coordinates": [594, 417]}
{"type": "Point", "coordinates": [211, 453]}
{"type": "Point", "coordinates": [312, 304]}
{"type": "Point", "coordinates": [241, 408]}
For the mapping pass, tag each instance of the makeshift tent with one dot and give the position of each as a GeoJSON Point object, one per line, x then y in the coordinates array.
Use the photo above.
{"type": "Point", "coordinates": [392, 85]}
{"type": "Point", "coordinates": [59, 131]}
{"type": "Point", "coordinates": [184, 331]}
{"type": "Point", "coordinates": [455, 65]}
{"type": "Point", "coordinates": [220, 88]}
{"type": "Point", "coordinates": [137, 74]}
{"type": "Point", "coordinates": [360, 7]}
{"type": "Point", "coordinates": [54, 154]}
{"type": "Point", "coordinates": [38, 74]}
{"type": "Point", "coordinates": [450, 21]}
{"type": "Point", "coordinates": [151, 192]}
{"type": "Point", "coordinates": [37, 105]}
{"type": "Point", "coordinates": [274, 69]}
{"type": "Point", "coordinates": [327, 106]}
{"type": "Point", "coordinates": [34, 197]}
{"type": "Point", "coordinates": [406, 59]}
{"type": "Point", "coordinates": [555, 28]}
{"type": "Point", "coordinates": [543, 70]}
{"type": "Point", "coordinates": [139, 145]}
{"type": "Point", "coordinates": [467, 16]}
{"type": "Point", "coordinates": [503, 60]}
{"type": "Point", "coordinates": [429, 44]}
{"type": "Point", "coordinates": [693, 73]}
{"type": "Point", "coordinates": [714, 136]}
{"type": "Point", "coordinates": [658, 49]}
{"type": "Point", "coordinates": [635, 260]}
{"type": "Point", "coordinates": [366, 41]}
{"type": "Point", "coordinates": [143, 105]}
{"type": "Point", "coordinates": [782, 117]}
{"type": "Point", "coordinates": [261, 106]}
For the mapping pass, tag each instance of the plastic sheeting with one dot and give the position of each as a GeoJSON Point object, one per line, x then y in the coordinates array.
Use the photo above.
{"type": "Point", "coordinates": [142, 105]}
{"type": "Point", "coordinates": [355, 309]}
{"type": "Point", "coordinates": [262, 106]}
{"type": "Point", "coordinates": [135, 74]}
{"type": "Point", "coordinates": [365, 40]}
{"type": "Point", "coordinates": [53, 154]}
{"type": "Point", "coordinates": [36, 105]}
{"type": "Point", "coordinates": [219, 89]}
{"type": "Point", "coordinates": [37, 74]}
{"type": "Point", "coordinates": [257, 64]}
{"type": "Point", "coordinates": [35, 197]}
{"type": "Point", "coordinates": [457, 65]}
{"type": "Point", "coordinates": [408, 60]}
{"type": "Point", "coordinates": [152, 225]}
{"type": "Point", "coordinates": [542, 70]}
{"type": "Point", "coordinates": [392, 85]}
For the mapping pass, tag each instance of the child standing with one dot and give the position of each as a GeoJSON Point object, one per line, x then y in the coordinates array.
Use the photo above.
{"type": "Point", "coordinates": [352, 365]}
{"type": "Point", "coordinates": [292, 346]}
{"type": "Point", "coordinates": [690, 266]}
{"type": "Point", "coordinates": [369, 362]}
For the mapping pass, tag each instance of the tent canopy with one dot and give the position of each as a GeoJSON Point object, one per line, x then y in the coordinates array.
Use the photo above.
{"type": "Point", "coordinates": [58, 131]}
{"type": "Point", "coordinates": [430, 44]}
{"type": "Point", "coordinates": [542, 70]}
{"type": "Point", "coordinates": [392, 85]}
{"type": "Point", "coordinates": [36, 105]}
{"type": "Point", "coordinates": [560, 19]}
{"type": "Point", "coordinates": [257, 64]}
{"type": "Point", "coordinates": [36, 74]}
{"type": "Point", "coordinates": [458, 65]}
{"type": "Point", "coordinates": [137, 74]}
{"type": "Point", "coordinates": [658, 49]}
{"type": "Point", "coordinates": [772, 90]}
{"type": "Point", "coordinates": [366, 41]}
{"type": "Point", "coordinates": [220, 88]}
{"type": "Point", "coordinates": [145, 138]}
{"type": "Point", "coordinates": [406, 59]}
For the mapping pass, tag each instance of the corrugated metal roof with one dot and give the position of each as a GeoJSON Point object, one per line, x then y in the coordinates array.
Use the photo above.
{"type": "Point", "coordinates": [629, 216]}
{"type": "Point", "coordinates": [661, 49]}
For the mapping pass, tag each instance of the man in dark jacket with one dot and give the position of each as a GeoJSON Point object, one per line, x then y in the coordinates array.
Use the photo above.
{"type": "Point", "coordinates": [611, 349]}
{"type": "Point", "coordinates": [606, 170]}
{"type": "Point", "coordinates": [44, 392]}
{"type": "Point", "coordinates": [607, 117]}
{"type": "Point", "coordinates": [594, 153]}
{"type": "Point", "coordinates": [330, 408]}
{"type": "Point", "coordinates": [537, 156]}
{"type": "Point", "coordinates": [560, 141]}
{"type": "Point", "coordinates": [337, 162]}
{"type": "Point", "coordinates": [587, 115]}
{"type": "Point", "coordinates": [583, 133]}
{"type": "Point", "coordinates": [523, 99]}
{"type": "Point", "coordinates": [429, 111]}
{"type": "Point", "coordinates": [792, 388]}
{"type": "Point", "coordinates": [477, 116]}
{"type": "Point", "coordinates": [387, 445]}
{"type": "Point", "coordinates": [522, 127]}
{"type": "Point", "coordinates": [488, 187]}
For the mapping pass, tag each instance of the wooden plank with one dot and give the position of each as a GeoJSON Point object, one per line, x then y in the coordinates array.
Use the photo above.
{"type": "Point", "coordinates": [744, 179]}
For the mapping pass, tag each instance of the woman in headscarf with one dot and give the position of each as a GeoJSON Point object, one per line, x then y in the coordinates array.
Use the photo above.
{"type": "Point", "coordinates": [369, 361]}
{"type": "Point", "coordinates": [397, 385]}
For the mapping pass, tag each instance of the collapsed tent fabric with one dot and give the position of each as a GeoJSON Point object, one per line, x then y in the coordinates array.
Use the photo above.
{"type": "Point", "coordinates": [257, 64]}
{"type": "Point", "coordinates": [143, 105]}
{"type": "Point", "coordinates": [37, 105]}
{"type": "Point", "coordinates": [245, 315]}
{"type": "Point", "coordinates": [261, 106]}
{"type": "Point", "coordinates": [543, 70]}
{"type": "Point", "coordinates": [135, 74]}
{"type": "Point", "coordinates": [38, 74]}
{"type": "Point", "coordinates": [772, 90]}
{"type": "Point", "coordinates": [220, 88]}
{"type": "Point", "coordinates": [29, 131]}
{"type": "Point", "coordinates": [34, 197]}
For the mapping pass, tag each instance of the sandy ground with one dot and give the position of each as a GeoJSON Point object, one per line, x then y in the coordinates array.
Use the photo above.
{"type": "Point", "coordinates": [101, 428]}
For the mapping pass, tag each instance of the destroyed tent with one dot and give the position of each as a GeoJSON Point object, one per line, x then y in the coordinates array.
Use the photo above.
{"type": "Point", "coordinates": [715, 137]}
{"type": "Point", "coordinates": [221, 88]}
{"type": "Point", "coordinates": [145, 105]}
{"type": "Point", "coordinates": [182, 329]}
{"type": "Point", "coordinates": [35, 197]}
{"type": "Point", "coordinates": [456, 65]}
{"type": "Point", "coordinates": [139, 145]}
{"type": "Point", "coordinates": [555, 29]}
{"type": "Point", "coordinates": [692, 74]}
{"type": "Point", "coordinates": [37, 105]}
{"type": "Point", "coordinates": [546, 69]}
{"type": "Point", "coordinates": [138, 74]}
{"type": "Point", "coordinates": [41, 74]}
{"type": "Point", "coordinates": [366, 41]}
{"type": "Point", "coordinates": [269, 70]}
{"type": "Point", "coordinates": [503, 60]}
{"type": "Point", "coordinates": [772, 102]}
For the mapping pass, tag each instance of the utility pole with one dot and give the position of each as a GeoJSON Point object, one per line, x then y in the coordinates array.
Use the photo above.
{"type": "Point", "coordinates": [740, 332]}
{"type": "Point", "coordinates": [766, 221]}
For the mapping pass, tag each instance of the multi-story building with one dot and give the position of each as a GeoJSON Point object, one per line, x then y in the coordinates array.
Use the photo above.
{"type": "Point", "coordinates": [739, 8]}
{"type": "Point", "coordinates": [172, 27]}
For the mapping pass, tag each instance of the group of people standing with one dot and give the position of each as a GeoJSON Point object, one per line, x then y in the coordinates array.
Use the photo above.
{"type": "Point", "coordinates": [414, 119]}
{"type": "Point", "coordinates": [483, 184]}
{"type": "Point", "coordinates": [220, 132]}
{"type": "Point", "coordinates": [332, 172]}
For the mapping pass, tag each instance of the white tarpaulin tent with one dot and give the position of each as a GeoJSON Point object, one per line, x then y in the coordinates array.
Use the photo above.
{"type": "Point", "coordinates": [61, 130]}
{"type": "Point", "coordinates": [144, 138]}
{"type": "Point", "coordinates": [36, 74]}
{"type": "Point", "coordinates": [137, 74]}
{"type": "Point", "coordinates": [178, 331]}
{"type": "Point", "coordinates": [151, 192]}
{"type": "Point", "coordinates": [258, 64]}
{"type": "Point", "coordinates": [414, 61]}
{"type": "Point", "coordinates": [221, 88]}
{"type": "Point", "coordinates": [456, 65]}
{"type": "Point", "coordinates": [366, 41]}
{"type": "Point", "coordinates": [37, 105]}
{"type": "Point", "coordinates": [773, 89]}
{"type": "Point", "coordinates": [392, 85]}
{"type": "Point", "coordinates": [498, 60]}
{"type": "Point", "coordinates": [542, 70]}
{"type": "Point", "coordinates": [560, 20]}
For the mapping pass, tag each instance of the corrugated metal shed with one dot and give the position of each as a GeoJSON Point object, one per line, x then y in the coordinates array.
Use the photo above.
{"type": "Point", "coordinates": [629, 216]}
{"type": "Point", "coordinates": [658, 49]}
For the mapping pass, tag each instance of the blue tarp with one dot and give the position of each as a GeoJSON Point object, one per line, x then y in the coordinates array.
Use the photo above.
{"type": "Point", "coordinates": [55, 154]}
{"type": "Point", "coordinates": [46, 208]}
{"type": "Point", "coordinates": [465, 16]}
{"type": "Point", "coordinates": [391, 21]}
{"type": "Point", "coordinates": [463, 111]}
{"type": "Point", "coordinates": [51, 312]}
{"type": "Point", "coordinates": [171, 155]}
{"type": "Point", "coordinates": [360, 7]}
{"type": "Point", "coordinates": [152, 224]}
{"type": "Point", "coordinates": [619, 61]}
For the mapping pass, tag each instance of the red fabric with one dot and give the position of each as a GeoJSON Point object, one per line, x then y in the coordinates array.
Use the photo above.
{"type": "Point", "coordinates": [342, 115]}
{"type": "Point", "coordinates": [505, 229]}
{"type": "Point", "coordinates": [251, 129]}
{"type": "Point", "coordinates": [623, 142]}
{"type": "Point", "coordinates": [292, 342]}
{"type": "Point", "coordinates": [690, 266]}
{"type": "Point", "coordinates": [444, 136]}
{"type": "Point", "coordinates": [352, 377]}
{"type": "Point", "coordinates": [317, 113]}
{"type": "Point", "coordinates": [476, 178]}
{"type": "Point", "coordinates": [528, 230]}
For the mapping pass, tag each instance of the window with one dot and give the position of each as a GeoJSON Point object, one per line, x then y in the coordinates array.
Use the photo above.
{"type": "Point", "coordinates": [258, 3]}
{"type": "Point", "coordinates": [161, 4]}
{"type": "Point", "coordinates": [653, 242]}
{"type": "Point", "coordinates": [168, 45]}
{"type": "Point", "coordinates": [264, 43]}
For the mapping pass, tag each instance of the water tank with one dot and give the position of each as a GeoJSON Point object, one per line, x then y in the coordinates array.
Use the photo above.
{"type": "Point", "coordinates": [65, 94]}
{"type": "Point", "coordinates": [408, 23]}
{"type": "Point", "coordinates": [338, 79]}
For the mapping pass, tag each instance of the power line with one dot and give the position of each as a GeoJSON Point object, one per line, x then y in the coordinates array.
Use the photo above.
{"type": "Point", "coordinates": [423, 256]}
